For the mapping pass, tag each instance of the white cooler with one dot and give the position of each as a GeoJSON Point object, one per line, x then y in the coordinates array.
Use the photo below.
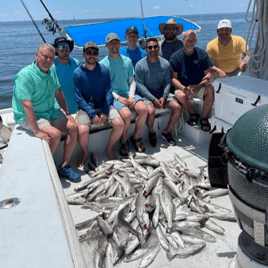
{"type": "Point", "coordinates": [236, 95]}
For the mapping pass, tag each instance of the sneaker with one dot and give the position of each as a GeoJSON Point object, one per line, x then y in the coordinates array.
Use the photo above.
{"type": "Point", "coordinates": [168, 138]}
{"type": "Point", "coordinates": [152, 139]}
{"type": "Point", "coordinates": [68, 172]}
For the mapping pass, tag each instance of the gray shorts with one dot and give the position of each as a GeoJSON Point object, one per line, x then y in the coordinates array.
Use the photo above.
{"type": "Point", "coordinates": [199, 95]}
{"type": "Point", "coordinates": [169, 98]}
{"type": "Point", "coordinates": [82, 117]}
{"type": "Point", "coordinates": [41, 122]}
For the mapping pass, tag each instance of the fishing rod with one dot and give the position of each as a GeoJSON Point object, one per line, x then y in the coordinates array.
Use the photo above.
{"type": "Point", "coordinates": [144, 28]}
{"type": "Point", "coordinates": [52, 18]}
{"type": "Point", "coordinates": [33, 21]}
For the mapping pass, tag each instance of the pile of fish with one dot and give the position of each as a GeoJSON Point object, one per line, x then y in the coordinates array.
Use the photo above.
{"type": "Point", "coordinates": [144, 204]}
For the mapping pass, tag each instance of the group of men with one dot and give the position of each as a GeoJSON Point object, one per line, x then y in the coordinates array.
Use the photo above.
{"type": "Point", "coordinates": [167, 74]}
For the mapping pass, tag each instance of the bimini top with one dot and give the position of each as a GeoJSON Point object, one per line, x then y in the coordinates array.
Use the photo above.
{"type": "Point", "coordinates": [97, 32]}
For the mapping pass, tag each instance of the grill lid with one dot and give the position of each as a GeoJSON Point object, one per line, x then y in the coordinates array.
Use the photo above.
{"type": "Point", "coordinates": [248, 138]}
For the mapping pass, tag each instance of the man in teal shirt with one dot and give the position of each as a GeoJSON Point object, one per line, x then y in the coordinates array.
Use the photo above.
{"type": "Point", "coordinates": [124, 87]}
{"type": "Point", "coordinates": [35, 89]}
{"type": "Point", "coordinates": [65, 67]}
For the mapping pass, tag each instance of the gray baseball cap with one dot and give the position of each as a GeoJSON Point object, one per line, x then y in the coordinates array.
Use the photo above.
{"type": "Point", "coordinates": [111, 36]}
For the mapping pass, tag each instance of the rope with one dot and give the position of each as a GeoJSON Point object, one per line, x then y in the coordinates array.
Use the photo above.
{"type": "Point", "coordinates": [259, 15]}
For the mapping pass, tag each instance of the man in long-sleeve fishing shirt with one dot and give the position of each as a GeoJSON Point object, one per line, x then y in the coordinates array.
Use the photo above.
{"type": "Point", "coordinates": [153, 82]}
{"type": "Point", "coordinates": [93, 94]}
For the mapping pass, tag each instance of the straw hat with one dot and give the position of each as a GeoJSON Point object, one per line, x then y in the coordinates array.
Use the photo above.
{"type": "Point", "coordinates": [170, 21]}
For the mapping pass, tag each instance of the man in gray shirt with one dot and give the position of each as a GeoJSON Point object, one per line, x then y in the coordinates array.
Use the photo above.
{"type": "Point", "coordinates": [153, 83]}
{"type": "Point", "coordinates": [171, 29]}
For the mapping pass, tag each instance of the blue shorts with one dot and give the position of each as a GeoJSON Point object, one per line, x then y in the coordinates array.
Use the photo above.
{"type": "Point", "coordinates": [119, 105]}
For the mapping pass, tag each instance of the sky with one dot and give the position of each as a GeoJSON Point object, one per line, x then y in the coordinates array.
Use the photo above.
{"type": "Point", "coordinates": [13, 10]}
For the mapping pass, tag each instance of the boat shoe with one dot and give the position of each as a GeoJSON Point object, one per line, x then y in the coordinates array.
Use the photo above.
{"type": "Point", "coordinates": [68, 172]}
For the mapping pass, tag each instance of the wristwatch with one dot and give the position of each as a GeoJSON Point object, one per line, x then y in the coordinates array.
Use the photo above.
{"type": "Point", "coordinates": [68, 113]}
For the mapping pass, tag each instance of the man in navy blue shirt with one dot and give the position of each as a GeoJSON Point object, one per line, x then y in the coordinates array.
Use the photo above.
{"type": "Point", "coordinates": [191, 77]}
{"type": "Point", "coordinates": [93, 94]}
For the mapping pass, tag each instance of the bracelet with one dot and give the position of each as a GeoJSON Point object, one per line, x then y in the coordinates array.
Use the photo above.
{"type": "Point", "coordinates": [68, 113]}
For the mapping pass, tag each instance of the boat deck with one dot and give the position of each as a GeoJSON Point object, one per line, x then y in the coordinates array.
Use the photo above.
{"type": "Point", "coordinates": [214, 254]}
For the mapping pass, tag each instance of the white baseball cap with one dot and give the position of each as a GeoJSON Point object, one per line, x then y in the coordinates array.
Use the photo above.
{"type": "Point", "coordinates": [224, 24]}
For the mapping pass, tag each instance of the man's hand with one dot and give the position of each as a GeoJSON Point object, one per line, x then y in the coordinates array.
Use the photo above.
{"type": "Point", "coordinates": [243, 66]}
{"type": "Point", "coordinates": [42, 135]}
{"type": "Point", "coordinates": [131, 103]}
{"type": "Point", "coordinates": [96, 120]}
{"type": "Point", "coordinates": [193, 89]}
{"type": "Point", "coordinates": [221, 73]}
{"type": "Point", "coordinates": [157, 103]}
{"type": "Point", "coordinates": [103, 118]}
{"type": "Point", "coordinates": [124, 101]}
{"type": "Point", "coordinates": [69, 117]}
{"type": "Point", "coordinates": [162, 102]}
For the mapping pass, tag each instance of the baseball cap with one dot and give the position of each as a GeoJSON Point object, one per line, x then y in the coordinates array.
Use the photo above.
{"type": "Point", "coordinates": [132, 29]}
{"type": "Point", "coordinates": [224, 24]}
{"type": "Point", "coordinates": [90, 45]}
{"type": "Point", "coordinates": [63, 39]}
{"type": "Point", "coordinates": [111, 36]}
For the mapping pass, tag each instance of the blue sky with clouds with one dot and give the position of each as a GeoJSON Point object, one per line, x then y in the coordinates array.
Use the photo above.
{"type": "Point", "coordinates": [13, 10]}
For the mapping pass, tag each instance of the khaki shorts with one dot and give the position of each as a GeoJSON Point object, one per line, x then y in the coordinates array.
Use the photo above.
{"type": "Point", "coordinates": [199, 95]}
{"type": "Point", "coordinates": [82, 117]}
{"type": "Point", "coordinates": [41, 122]}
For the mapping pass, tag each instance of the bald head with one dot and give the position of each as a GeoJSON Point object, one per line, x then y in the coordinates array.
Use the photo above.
{"type": "Point", "coordinates": [189, 33]}
{"type": "Point", "coordinates": [189, 40]}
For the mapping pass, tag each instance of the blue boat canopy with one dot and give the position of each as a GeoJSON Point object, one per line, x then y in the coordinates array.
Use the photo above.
{"type": "Point", "coordinates": [97, 32]}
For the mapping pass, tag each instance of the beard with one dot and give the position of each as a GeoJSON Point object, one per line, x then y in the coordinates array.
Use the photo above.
{"type": "Point", "coordinates": [170, 36]}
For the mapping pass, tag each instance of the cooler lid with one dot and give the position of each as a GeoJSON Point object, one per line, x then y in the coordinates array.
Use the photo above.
{"type": "Point", "coordinates": [248, 138]}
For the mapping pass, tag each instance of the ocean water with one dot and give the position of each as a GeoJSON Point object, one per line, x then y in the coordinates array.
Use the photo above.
{"type": "Point", "coordinates": [19, 41]}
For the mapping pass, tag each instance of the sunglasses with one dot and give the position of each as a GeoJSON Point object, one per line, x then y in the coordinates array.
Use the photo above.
{"type": "Point", "coordinates": [170, 28]}
{"type": "Point", "coordinates": [61, 46]}
{"type": "Point", "coordinates": [151, 47]}
{"type": "Point", "coordinates": [90, 52]}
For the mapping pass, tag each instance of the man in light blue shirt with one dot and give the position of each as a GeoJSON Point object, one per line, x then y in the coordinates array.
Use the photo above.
{"type": "Point", "coordinates": [65, 67]}
{"type": "Point", "coordinates": [131, 50]}
{"type": "Point", "coordinates": [124, 87]}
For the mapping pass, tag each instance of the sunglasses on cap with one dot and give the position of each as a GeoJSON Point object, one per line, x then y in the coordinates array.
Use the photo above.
{"type": "Point", "coordinates": [90, 52]}
{"type": "Point", "coordinates": [151, 47]}
{"type": "Point", "coordinates": [170, 28]}
{"type": "Point", "coordinates": [62, 46]}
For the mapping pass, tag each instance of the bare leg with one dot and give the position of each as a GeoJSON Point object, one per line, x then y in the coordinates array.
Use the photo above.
{"type": "Point", "coordinates": [118, 127]}
{"type": "Point", "coordinates": [176, 110]}
{"type": "Point", "coordinates": [55, 136]}
{"type": "Point", "coordinates": [209, 98]}
{"type": "Point", "coordinates": [71, 128]}
{"type": "Point", "coordinates": [150, 118]}
{"type": "Point", "coordinates": [142, 112]}
{"type": "Point", "coordinates": [125, 114]}
{"type": "Point", "coordinates": [185, 102]}
{"type": "Point", "coordinates": [83, 138]}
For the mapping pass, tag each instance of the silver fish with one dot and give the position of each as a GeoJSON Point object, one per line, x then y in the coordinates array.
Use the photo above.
{"type": "Point", "coordinates": [184, 252]}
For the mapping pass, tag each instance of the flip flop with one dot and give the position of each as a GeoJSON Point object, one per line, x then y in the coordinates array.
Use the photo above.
{"type": "Point", "coordinates": [205, 125]}
{"type": "Point", "coordinates": [139, 146]}
{"type": "Point", "coordinates": [125, 147]}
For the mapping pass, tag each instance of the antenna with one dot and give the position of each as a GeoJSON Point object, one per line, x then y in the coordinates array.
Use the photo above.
{"type": "Point", "coordinates": [144, 28]}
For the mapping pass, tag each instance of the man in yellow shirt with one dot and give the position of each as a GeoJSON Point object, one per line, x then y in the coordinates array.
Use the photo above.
{"type": "Point", "coordinates": [226, 51]}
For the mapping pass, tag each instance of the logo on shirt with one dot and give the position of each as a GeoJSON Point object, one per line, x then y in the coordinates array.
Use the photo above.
{"type": "Point", "coordinates": [195, 61]}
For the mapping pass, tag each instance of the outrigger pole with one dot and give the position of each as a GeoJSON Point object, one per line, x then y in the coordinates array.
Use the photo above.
{"type": "Point", "coordinates": [52, 18]}
{"type": "Point", "coordinates": [33, 21]}
{"type": "Point", "coordinates": [144, 28]}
